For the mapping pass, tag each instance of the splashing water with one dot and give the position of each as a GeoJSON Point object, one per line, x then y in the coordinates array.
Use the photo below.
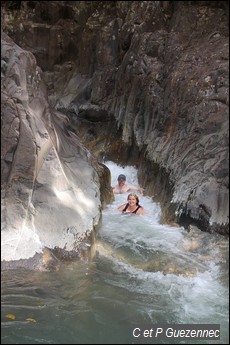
{"type": "Point", "coordinates": [143, 273]}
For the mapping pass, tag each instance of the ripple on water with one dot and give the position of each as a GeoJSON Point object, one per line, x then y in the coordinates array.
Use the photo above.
{"type": "Point", "coordinates": [143, 272]}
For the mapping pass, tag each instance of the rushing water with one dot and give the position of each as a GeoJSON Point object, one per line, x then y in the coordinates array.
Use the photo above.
{"type": "Point", "coordinates": [143, 274]}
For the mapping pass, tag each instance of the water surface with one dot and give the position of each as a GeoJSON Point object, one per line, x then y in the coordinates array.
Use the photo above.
{"type": "Point", "coordinates": [143, 273]}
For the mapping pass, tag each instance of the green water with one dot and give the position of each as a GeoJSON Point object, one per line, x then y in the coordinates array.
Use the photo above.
{"type": "Point", "coordinates": [102, 300]}
{"type": "Point", "coordinates": [142, 274]}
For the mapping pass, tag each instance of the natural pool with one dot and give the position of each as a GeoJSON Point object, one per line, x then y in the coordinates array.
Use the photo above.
{"type": "Point", "coordinates": [143, 274]}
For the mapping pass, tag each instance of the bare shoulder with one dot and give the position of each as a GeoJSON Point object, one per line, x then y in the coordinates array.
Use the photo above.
{"type": "Point", "coordinates": [115, 190]}
{"type": "Point", "coordinates": [141, 210]}
{"type": "Point", "coordinates": [120, 208]}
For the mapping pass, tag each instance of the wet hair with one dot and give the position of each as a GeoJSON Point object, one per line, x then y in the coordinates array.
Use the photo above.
{"type": "Point", "coordinates": [121, 177]}
{"type": "Point", "coordinates": [135, 196]}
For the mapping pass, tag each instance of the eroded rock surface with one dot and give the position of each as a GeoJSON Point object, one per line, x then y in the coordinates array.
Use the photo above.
{"type": "Point", "coordinates": [145, 83]}
{"type": "Point", "coordinates": [51, 194]}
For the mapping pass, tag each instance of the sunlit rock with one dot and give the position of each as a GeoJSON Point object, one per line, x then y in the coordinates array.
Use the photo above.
{"type": "Point", "coordinates": [50, 182]}
{"type": "Point", "coordinates": [145, 83]}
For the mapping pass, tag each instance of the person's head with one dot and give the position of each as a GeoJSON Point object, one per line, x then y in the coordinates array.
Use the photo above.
{"type": "Point", "coordinates": [133, 197]}
{"type": "Point", "coordinates": [121, 180]}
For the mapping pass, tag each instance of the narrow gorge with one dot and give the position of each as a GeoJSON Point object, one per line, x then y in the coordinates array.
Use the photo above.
{"type": "Point", "coordinates": [139, 83]}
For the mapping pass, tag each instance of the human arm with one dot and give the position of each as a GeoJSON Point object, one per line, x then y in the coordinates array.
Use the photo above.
{"type": "Point", "coordinates": [138, 188]}
{"type": "Point", "coordinates": [115, 190]}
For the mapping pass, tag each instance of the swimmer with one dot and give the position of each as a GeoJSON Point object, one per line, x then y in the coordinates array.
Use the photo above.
{"type": "Point", "coordinates": [132, 206]}
{"type": "Point", "coordinates": [122, 187]}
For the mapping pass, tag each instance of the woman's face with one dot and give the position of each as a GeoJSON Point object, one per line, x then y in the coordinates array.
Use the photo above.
{"type": "Point", "coordinates": [132, 200]}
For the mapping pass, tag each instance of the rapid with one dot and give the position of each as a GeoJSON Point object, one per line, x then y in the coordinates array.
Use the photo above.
{"type": "Point", "coordinates": [141, 273]}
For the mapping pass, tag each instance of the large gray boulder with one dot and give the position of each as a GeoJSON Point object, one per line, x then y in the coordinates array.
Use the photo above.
{"type": "Point", "coordinates": [51, 195]}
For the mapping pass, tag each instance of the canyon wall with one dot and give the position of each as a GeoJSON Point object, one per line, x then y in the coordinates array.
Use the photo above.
{"type": "Point", "coordinates": [143, 83]}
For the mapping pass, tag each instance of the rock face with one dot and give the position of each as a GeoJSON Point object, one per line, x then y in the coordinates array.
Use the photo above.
{"type": "Point", "coordinates": [51, 194]}
{"type": "Point", "coordinates": [155, 75]}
